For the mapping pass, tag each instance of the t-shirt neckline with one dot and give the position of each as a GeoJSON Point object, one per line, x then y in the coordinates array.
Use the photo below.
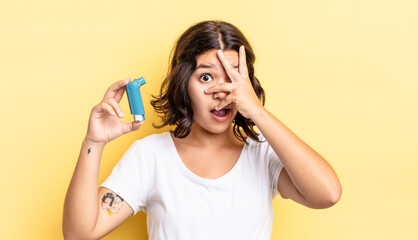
{"type": "Point", "coordinates": [183, 168]}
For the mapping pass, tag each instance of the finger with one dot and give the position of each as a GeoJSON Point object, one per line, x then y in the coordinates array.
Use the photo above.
{"type": "Point", "coordinates": [112, 90]}
{"type": "Point", "coordinates": [223, 87]}
{"type": "Point", "coordinates": [107, 108]}
{"type": "Point", "coordinates": [133, 126]}
{"type": "Point", "coordinates": [115, 105]}
{"type": "Point", "coordinates": [225, 102]}
{"type": "Point", "coordinates": [242, 61]}
{"type": "Point", "coordinates": [227, 66]}
{"type": "Point", "coordinates": [120, 94]}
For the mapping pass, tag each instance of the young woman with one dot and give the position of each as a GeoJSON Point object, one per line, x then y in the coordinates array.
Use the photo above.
{"type": "Point", "coordinates": [212, 176]}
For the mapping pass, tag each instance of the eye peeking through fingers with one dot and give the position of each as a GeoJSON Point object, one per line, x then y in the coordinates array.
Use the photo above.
{"type": "Point", "coordinates": [206, 77]}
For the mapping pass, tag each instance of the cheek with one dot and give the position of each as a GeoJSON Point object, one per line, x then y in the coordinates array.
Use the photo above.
{"type": "Point", "coordinates": [196, 96]}
{"type": "Point", "coordinates": [196, 102]}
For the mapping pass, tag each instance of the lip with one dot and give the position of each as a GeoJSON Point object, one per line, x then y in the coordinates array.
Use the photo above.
{"type": "Point", "coordinates": [221, 119]}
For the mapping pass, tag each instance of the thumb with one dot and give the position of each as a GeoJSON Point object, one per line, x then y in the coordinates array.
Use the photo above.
{"type": "Point", "coordinates": [130, 127]}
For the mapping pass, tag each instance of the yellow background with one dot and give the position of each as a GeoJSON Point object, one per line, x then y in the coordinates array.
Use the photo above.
{"type": "Point", "coordinates": [343, 75]}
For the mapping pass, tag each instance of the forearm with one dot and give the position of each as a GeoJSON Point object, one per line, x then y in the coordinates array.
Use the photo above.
{"type": "Point", "coordinates": [311, 174]}
{"type": "Point", "coordinates": [81, 203]}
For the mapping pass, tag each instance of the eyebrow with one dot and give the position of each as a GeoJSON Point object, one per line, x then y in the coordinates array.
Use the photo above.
{"type": "Point", "coordinates": [209, 66]}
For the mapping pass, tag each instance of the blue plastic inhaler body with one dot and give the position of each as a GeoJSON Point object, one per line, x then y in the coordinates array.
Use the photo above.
{"type": "Point", "coordinates": [135, 99]}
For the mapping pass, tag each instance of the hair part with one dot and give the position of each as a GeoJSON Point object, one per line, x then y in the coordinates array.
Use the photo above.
{"type": "Point", "coordinates": [173, 101]}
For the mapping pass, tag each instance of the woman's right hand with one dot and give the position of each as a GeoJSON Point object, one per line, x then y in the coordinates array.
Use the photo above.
{"type": "Point", "coordinates": [104, 122]}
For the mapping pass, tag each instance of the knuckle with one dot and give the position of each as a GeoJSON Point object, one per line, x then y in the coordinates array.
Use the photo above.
{"type": "Point", "coordinates": [105, 101]}
{"type": "Point", "coordinates": [95, 108]}
{"type": "Point", "coordinates": [113, 100]}
{"type": "Point", "coordinates": [110, 100]}
{"type": "Point", "coordinates": [103, 105]}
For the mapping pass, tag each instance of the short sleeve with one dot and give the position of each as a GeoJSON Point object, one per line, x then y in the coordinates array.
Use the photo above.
{"type": "Point", "coordinates": [129, 178]}
{"type": "Point", "coordinates": [275, 167]}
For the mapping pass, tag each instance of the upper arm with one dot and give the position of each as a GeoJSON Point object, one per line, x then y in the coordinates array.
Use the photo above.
{"type": "Point", "coordinates": [288, 190]}
{"type": "Point", "coordinates": [113, 211]}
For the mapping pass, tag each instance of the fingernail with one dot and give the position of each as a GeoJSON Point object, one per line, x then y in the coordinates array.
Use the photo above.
{"type": "Point", "coordinates": [220, 52]}
{"type": "Point", "coordinates": [121, 114]}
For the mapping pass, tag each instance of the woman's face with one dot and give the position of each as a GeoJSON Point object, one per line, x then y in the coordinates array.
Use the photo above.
{"type": "Point", "coordinates": [209, 71]}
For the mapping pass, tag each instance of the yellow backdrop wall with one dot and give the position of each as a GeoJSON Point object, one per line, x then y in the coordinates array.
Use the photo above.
{"type": "Point", "coordinates": [341, 74]}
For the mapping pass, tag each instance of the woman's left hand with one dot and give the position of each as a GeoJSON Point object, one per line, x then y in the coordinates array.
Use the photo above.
{"type": "Point", "coordinates": [241, 92]}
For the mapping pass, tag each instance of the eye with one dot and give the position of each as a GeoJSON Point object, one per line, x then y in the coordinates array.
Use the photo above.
{"type": "Point", "coordinates": [205, 77]}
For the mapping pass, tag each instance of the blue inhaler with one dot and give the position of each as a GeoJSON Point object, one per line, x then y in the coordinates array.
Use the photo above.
{"type": "Point", "coordinates": [135, 99]}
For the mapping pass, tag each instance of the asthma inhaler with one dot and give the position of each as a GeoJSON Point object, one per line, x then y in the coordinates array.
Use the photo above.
{"type": "Point", "coordinates": [135, 99]}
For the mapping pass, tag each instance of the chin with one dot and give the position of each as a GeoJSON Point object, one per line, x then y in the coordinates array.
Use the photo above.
{"type": "Point", "coordinates": [219, 130]}
{"type": "Point", "coordinates": [219, 127]}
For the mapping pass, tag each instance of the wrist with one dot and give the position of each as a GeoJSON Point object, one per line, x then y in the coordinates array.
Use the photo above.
{"type": "Point", "coordinates": [91, 143]}
{"type": "Point", "coordinates": [258, 114]}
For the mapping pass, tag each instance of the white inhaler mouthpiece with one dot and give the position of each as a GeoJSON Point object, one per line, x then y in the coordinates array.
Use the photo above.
{"type": "Point", "coordinates": [135, 99]}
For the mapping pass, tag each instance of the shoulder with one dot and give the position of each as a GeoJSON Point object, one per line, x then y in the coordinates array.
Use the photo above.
{"type": "Point", "coordinates": [148, 145]}
{"type": "Point", "coordinates": [260, 147]}
{"type": "Point", "coordinates": [262, 142]}
{"type": "Point", "coordinates": [144, 152]}
{"type": "Point", "coordinates": [153, 140]}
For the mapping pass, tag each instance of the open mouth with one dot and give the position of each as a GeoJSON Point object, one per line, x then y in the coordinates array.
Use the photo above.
{"type": "Point", "coordinates": [220, 113]}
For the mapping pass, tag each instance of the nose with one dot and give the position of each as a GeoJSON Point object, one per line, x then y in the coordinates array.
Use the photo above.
{"type": "Point", "coordinates": [220, 95]}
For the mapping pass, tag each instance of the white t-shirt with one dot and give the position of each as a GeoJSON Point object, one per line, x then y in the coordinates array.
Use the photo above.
{"type": "Point", "coordinates": [182, 205]}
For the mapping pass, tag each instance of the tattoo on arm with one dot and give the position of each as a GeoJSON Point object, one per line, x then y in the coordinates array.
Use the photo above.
{"type": "Point", "coordinates": [112, 203]}
{"type": "Point", "coordinates": [88, 151]}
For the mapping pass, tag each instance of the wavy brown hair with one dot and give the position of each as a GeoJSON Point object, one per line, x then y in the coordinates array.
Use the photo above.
{"type": "Point", "coordinates": [173, 102]}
